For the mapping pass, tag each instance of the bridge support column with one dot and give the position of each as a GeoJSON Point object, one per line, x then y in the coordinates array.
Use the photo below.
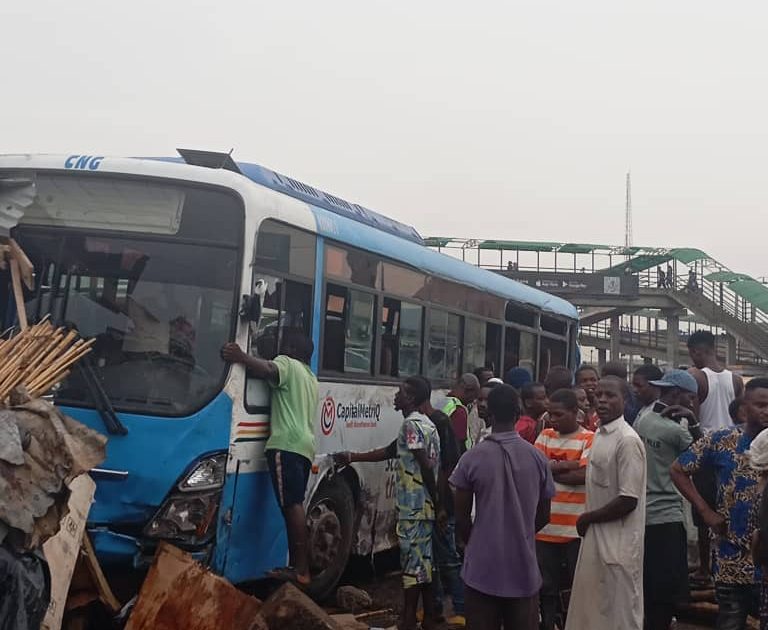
{"type": "Point", "coordinates": [673, 339]}
{"type": "Point", "coordinates": [615, 338]}
{"type": "Point", "coordinates": [730, 350]}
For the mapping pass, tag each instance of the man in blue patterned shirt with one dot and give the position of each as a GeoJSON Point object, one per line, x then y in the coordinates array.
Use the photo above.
{"type": "Point", "coordinates": [734, 521]}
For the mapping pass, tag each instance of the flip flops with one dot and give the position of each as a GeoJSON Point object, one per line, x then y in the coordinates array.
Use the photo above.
{"type": "Point", "coordinates": [289, 574]}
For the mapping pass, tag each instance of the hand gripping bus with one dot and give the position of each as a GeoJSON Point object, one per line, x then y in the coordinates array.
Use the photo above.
{"type": "Point", "coordinates": [163, 261]}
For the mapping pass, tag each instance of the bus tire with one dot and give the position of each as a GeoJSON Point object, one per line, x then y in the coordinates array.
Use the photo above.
{"type": "Point", "coordinates": [330, 520]}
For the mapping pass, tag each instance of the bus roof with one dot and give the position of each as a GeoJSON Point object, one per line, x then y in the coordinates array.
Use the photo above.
{"type": "Point", "coordinates": [300, 190]}
{"type": "Point", "coordinates": [357, 226]}
{"type": "Point", "coordinates": [341, 220]}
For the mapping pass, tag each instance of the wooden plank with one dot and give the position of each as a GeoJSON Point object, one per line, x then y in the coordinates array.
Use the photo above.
{"type": "Point", "coordinates": [25, 265]}
{"type": "Point", "coordinates": [63, 550]}
{"type": "Point", "coordinates": [180, 593]}
{"type": "Point", "coordinates": [88, 556]}
{"type": "Point", "coordinates": [18, 294]}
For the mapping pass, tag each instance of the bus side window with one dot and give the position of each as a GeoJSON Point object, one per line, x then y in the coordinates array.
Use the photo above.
{"type": "Point", "coordinates": [474, 344]}
{"type": "Point", "coordinates": [348, 332]}
{"type": "Point", "coordinates": [401, 325]}
{"type": "Point", "coordinates": [493, 347]}
{"type": "Point", "coordinates": [444, 345]}
{"type": "Point", "coordinates": [287, 306]}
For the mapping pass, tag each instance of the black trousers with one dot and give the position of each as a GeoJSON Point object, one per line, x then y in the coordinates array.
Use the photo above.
{"type": "Point", "coordinates": [557, 563]}
{"type": "Point", "coordinates": [486, 612]}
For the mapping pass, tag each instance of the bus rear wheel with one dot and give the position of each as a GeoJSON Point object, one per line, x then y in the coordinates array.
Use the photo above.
{"type": "Point", "coordinates": [330, 520]}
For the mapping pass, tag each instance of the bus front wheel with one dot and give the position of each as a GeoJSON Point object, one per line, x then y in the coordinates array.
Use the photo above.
{"type": "Point", "coordinates": [330, 520]}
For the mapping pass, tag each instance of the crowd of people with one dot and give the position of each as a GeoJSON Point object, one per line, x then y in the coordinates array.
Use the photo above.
{"type": "Point", "coordinates": [563, 504]}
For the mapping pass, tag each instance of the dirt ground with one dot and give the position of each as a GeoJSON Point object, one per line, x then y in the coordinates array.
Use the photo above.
{"type": "Point", "coordinates": [382, 582]}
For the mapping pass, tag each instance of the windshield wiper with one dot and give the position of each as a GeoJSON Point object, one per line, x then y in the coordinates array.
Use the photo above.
{"type": "Point", "coordinates": [100, 398]}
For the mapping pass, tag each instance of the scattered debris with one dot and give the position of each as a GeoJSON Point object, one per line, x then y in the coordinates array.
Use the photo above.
{"type": "Point", "coordinates": [348, 622]}
{"type": "Point", "coordinates": [288, 607]}
{"type": "Point", "coordinates": [180, 594]}
{"type": "Point", "coordinates": [353, 599]}
{"type": "Point", "coordinates": [62, 550]}
{"type": "Point", "coordinates": [24, 589]}
{"type": "Point", "coordinates": [55, 449]}
{"type": "Point", "coordinates": [39, 357]}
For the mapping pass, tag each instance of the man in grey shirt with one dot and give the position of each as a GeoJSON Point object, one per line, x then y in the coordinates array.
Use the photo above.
{"type": "Point", "coordinates": [665, 572]}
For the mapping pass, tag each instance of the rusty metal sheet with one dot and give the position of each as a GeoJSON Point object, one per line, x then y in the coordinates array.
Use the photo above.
{"type": "Point", "coordinates": [179, 593]}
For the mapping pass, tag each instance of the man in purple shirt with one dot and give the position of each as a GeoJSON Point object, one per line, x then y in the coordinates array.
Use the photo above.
{"type": "Point", "coordinates": [512, 485]}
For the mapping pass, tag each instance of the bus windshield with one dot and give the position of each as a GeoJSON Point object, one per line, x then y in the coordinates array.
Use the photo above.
{"type": "Point", "coordinates": [159, 308]}
{"type": "Point", "coordinates": [159, 312]}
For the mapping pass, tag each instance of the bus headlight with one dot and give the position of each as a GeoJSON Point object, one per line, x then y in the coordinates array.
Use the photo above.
{"type": "Point", "coordinates": [188, 515]}
{"type": "Point", "coordinates": [207, 475]}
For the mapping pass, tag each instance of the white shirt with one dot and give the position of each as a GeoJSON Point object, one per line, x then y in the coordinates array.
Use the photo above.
{"type": "Point", "coordinates": [611, 555]}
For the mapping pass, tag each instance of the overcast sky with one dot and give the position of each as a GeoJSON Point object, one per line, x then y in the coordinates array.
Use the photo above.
{"type": "Point", "coordinates": [509, 120]}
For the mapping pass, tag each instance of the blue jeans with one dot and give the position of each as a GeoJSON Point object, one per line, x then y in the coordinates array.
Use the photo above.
{"type": "Point", "coordinates": [447, 578]}
{"type": "Point", "coordinates": [736, 601]}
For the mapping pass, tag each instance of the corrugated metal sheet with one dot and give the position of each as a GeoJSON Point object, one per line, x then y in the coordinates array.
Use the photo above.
{"type": "Point", "coordinates": [16, 193]}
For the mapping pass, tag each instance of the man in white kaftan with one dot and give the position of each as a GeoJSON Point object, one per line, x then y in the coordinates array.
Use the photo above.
{"type": "Point", "coordinates": [608, 587]}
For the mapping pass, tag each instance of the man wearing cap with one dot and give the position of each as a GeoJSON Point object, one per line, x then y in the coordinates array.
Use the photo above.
{"type": "Point", "coordinates": [665, 569]}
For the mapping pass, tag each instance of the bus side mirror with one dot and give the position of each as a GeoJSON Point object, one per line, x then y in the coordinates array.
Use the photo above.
{"type": "Point", "coordinates": [250, 307]}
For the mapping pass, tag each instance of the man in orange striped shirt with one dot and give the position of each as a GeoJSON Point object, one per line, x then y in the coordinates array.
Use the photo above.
{"type": "Point", "coordinates": [566, 444]}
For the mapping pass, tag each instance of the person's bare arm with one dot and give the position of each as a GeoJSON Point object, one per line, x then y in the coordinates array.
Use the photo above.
{"type": "Point", "coordinates": [611, 511]}
{"type": "Point", "coordinates": [462, 508]}
{"type": "Point", "coordinates": [543, 512]}
{"type": "Point", "coordinates": [676, 413]}
{"type": "Point", "coordinates": [573, 477]}
{"type": "Point", "coordinates": [560, 467]}
{"type": "Point", "coordinates": [738, 386]}
{"type": "Point", "coordinates": [377, 455]}
{"type": "Point", "coordinates": [443, 487]}
{"type": "Point", "coordinates": [267, 370]}
{"type": "Point", "coordinates": [427, 475]}
{"type": "Point", "coordinates": [701, 381]}
{"type": "Point", "coordinates": [686, 487]}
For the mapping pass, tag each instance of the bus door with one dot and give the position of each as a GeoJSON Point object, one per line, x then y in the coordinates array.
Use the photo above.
{"type": "Point", "coordinates": [254, 541]}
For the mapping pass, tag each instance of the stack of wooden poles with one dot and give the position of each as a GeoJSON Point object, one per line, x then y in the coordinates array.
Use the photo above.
{"type": "Point", "coordinates": [39, 357]}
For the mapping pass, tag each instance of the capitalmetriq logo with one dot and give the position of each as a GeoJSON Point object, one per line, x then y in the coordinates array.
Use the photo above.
{"type": "Point", "coordinates": [328, 415]}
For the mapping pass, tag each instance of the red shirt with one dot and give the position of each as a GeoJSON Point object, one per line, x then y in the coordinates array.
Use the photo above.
{"type": "Point", "coordinates": [459, 422]}
{"type": "Point", "coordinates": [526, 427]}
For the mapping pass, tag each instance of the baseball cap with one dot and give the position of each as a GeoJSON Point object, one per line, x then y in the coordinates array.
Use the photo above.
{"type": "Point", "coordinates": [678, 378]}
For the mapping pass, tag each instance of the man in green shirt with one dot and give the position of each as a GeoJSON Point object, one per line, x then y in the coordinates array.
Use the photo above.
{"type": "Point", "coordinates": [665, 573]}
{"type": "Point", "coordinates": [291, 445]}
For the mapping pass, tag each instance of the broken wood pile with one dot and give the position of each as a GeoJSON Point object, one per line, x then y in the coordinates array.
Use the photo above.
{"type": "Point", "coordinates": [38, 358]}
{"type": "Point", "coordinates": [181, 594]}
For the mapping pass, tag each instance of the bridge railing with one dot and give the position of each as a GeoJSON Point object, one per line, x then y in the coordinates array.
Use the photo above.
{"type": "Point", "coordinates": [718, 293]}
{"type": "Point", "coordinates": [656, 339]}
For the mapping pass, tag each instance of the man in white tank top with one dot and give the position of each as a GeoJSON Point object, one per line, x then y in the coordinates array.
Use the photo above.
{"type": "Point", "coordinates": [718, 387]}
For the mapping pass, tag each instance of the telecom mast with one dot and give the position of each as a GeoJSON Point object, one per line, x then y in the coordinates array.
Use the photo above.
{"type": "Point", "coordinates": [628, 214]}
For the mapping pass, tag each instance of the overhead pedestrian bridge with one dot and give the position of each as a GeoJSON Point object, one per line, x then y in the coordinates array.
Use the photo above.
{"type": "Point", "coordinates": [637, 302]}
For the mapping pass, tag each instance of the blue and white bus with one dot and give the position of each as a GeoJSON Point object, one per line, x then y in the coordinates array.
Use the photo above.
{"type": "Point", "coordinates": [163, 261]}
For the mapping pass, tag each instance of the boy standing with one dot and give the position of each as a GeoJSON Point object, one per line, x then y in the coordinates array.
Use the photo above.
{"type": "Point", "coordinates": [417, 449]}
{"type": "Point", "coordinates": [291, 444]}
{"type": "Point", "coordinates": [566, 445]}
